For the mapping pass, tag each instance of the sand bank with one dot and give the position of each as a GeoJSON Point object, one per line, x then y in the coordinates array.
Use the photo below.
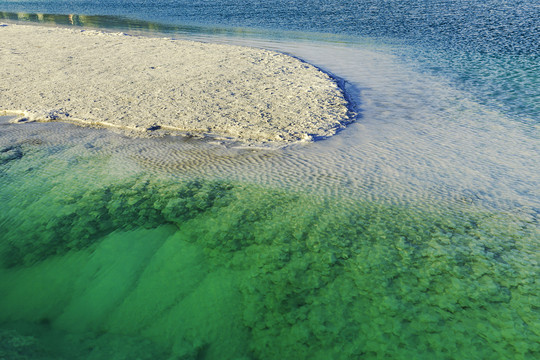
{"type": "Point", "coordinates": [140, 83]}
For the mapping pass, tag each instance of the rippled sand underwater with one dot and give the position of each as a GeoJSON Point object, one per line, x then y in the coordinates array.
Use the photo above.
{"type": "Point", "coordinates": [101, 258]}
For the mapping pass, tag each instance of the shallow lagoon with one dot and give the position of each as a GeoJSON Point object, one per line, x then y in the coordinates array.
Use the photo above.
{"type": "Point", "coordinates": [411, 234]}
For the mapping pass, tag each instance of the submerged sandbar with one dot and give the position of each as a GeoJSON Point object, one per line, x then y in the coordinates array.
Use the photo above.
{"type": "Point", "coordinates": [141, 83]}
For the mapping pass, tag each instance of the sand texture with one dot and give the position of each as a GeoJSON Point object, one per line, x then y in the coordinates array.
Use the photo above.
{"type": "Point", "coordinates": [141, 83]}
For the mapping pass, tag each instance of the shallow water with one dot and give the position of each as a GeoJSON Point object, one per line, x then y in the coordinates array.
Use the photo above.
{"type": "Point", "coordinates": [413, 233]}
{"type": "Point", "coordinates": [99, 251]}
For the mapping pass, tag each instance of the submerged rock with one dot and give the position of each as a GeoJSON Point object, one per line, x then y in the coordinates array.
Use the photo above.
{"type": "Point", "coordinates": [10, 153]}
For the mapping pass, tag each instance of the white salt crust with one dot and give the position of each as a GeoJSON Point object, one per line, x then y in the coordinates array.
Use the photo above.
{"type": "Point", "coordinates": [93, 78]}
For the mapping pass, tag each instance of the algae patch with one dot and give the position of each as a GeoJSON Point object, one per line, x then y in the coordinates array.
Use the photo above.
{"type": "Point", "coordinates": [217, 269]}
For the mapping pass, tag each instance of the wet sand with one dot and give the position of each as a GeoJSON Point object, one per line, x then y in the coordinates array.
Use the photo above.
{"type": "Point", "coordinates": [143, 84]}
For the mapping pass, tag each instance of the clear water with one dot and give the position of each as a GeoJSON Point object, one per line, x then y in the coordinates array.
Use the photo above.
{"type": "Point", "coordinates": [411, 234]}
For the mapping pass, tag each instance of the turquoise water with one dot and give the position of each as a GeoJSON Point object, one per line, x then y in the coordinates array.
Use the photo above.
{"type": "Point", "coordinates": [413, 233]}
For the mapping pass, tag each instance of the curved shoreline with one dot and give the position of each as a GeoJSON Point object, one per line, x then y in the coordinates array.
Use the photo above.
{"type": "Point", "coordinates": [142, 84]}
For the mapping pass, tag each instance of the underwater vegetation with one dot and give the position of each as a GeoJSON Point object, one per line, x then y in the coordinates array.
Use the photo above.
{"type": "Point", "coordinates": [218, 269]}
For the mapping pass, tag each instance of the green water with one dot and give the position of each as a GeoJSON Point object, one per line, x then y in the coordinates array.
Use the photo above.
{"type": "Point", "coordinates": [104, 264]}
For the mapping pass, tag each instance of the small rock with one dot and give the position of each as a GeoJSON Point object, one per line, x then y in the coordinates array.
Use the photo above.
{"type": "Point", "coordinates": [153, 127]}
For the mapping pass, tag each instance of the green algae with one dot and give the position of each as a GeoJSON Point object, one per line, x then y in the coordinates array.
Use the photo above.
{"type": "Point", "coordinates": [216, 269]}
{"type": "Point", "coordinates": [76, 220]}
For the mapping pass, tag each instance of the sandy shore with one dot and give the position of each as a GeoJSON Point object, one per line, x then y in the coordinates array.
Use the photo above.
{"type": "Point", "coordinates": [140, 83]}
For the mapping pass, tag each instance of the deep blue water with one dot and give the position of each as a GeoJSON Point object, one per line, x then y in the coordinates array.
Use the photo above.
{"type": "Point", "coordinates": [492, 26]}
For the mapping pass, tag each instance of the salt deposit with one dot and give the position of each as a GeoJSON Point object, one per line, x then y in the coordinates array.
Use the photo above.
{"type": "Point", "coordinates": [140, 83]}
